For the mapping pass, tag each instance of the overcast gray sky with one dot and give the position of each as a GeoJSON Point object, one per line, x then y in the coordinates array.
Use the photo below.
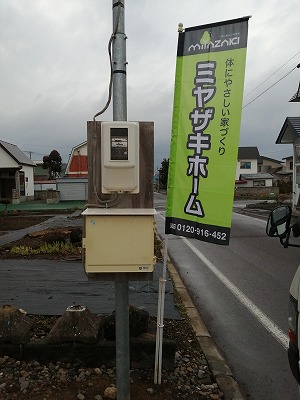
{"type": "Point", "coordinates": [54, 68]}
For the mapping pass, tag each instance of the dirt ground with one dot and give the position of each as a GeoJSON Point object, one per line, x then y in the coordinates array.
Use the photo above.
{"type": "Point", "coordinates": [141, 380]}
{"type": "Point", "coordinates": [15, 220]}
{"type": "Point", "coordinates": [12, 222]}
{"type": "Point", "coordinates": [20, 220]}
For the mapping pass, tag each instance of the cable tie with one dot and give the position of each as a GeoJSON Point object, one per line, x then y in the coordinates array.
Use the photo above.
{"type": "Point", "coordinates": [163, 280]}
{"type": "Point", "coordinates": [118, 3]}
{"type": "Point", "coordinates": [119, 71]}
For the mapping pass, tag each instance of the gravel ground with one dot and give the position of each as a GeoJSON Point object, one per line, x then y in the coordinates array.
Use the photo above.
{"type": "Point", "coordinates": [191, 378]}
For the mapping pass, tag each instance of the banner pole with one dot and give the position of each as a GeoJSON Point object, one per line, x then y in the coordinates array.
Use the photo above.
{"type": "Point", "coordinates": [160, 317]}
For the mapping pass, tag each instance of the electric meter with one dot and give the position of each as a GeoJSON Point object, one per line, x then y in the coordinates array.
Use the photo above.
{"type": "Point", "coordinates": [120, 157]}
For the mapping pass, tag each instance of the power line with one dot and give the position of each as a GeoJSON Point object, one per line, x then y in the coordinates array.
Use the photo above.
{"type": "Point", "coordinates": [32, 152]}
{"type": "Point", "coordinates": [42, 145]}
{"type": "Point", "coordinates": [271, 75]}
{"type": "Point", "coordinates": [297, 66]}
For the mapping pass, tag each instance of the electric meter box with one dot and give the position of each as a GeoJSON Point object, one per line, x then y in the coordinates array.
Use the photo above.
{"type": "Point", "coordinates": [120, 157]}
{"type": "Point", "coordinates": [119, 240]}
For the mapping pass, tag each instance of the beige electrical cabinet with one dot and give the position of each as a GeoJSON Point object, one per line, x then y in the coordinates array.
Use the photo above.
{"type": "Point", "coordinates": [119, 240]}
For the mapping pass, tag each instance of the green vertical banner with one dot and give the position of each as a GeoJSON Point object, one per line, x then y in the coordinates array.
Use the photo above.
{"type": "Point", "coordinates": [206, 123]}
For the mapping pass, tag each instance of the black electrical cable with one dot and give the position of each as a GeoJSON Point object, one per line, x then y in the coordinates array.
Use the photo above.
{"type": "Point", "coordinates": [110, 63]}
{"type": "Point", "coordinates": [114, 199]}
{"type": "Point", "coordinates": [297, 66]}
{"type": "Point", "coordinates": [258, 86]}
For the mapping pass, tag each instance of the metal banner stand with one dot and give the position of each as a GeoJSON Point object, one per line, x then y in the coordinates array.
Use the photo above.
{"type": "Point", "coordinates": [160, 317]}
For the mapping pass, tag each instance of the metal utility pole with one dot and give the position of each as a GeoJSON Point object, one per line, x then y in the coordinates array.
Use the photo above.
{"type": "Point", "coordinates": [119, 63]}
{"type": "Point", "coordinates": [121, 286]}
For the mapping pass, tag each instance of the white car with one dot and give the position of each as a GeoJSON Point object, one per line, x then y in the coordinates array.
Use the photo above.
{"type": "Point", "coordinates": [279, 225]}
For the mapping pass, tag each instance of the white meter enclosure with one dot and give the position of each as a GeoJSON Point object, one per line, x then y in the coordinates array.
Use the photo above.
{"type": "Point", "coordinates": [120, 157]}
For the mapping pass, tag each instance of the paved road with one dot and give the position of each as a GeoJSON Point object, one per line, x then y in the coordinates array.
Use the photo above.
{"type": "Point", "coordinates": [235, 287]}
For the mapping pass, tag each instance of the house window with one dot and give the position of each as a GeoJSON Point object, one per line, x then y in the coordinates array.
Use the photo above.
{"type": "Point", "coordinates": [291, 165]}
{"type": "Point", "coordinates": [259, 183]}
{"type": "Point", "coordinates": [245, 164]}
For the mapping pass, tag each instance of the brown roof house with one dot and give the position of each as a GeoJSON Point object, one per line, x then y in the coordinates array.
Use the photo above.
{"type": "Point", "coordinates": [272, 166]}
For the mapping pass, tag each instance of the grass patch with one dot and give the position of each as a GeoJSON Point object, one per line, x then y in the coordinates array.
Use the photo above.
{"type": "Point", "coordinates": [47, 248]}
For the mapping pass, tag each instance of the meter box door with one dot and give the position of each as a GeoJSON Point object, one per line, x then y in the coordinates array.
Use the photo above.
{"type": "Point", "coordinates": [119, 240]}
{"type": "Point", "coordinates": [120, 157]}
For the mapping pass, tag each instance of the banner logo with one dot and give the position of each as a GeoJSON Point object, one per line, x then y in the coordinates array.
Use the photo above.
{"type": "Point", "coordinates": [205, 42]}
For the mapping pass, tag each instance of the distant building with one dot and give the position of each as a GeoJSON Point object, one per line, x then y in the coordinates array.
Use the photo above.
{"type": "Point", "coordinates": [77, 166]}
{"type": "Point", "coordinates": [249, 181]}
{"type": "Point", "coordinates": [247, 161]}
{"type": "Point", "coordinates": [266, 164]}
{"type": "Point", "coordinates": [271, 166]}
{"type": "Point", "coordinates": [40, 174]}
{"type": "Point", "coordinates": [74, 183]}
{"type": "Point", "coordinates": [286, 173]}
{"type": "Point", "coordinates": [16, 174]}
{"type": "Point", "coordinates": [290, 134]}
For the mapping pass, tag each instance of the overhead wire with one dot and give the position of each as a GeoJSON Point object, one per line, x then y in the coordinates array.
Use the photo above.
{"type": "Point", "coordinates": [270, 76]}
{"type": "Point", "coordinates": [255, 98]}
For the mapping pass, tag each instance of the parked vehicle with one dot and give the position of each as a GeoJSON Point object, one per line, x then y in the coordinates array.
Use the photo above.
{"type": "Point", "coordinates": [279, 225]}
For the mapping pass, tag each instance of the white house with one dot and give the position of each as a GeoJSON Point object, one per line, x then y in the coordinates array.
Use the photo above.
{"type": "Point", "coordinates": [290, 133]}
{"type": "Point", "coordinates": [247, 173]}
{"type": "Point", "coordinates": [16, 174]}
{"type": "Point", "coordinates": [248, 179]}
{"type": "Point", "coordinates": [247, 161]}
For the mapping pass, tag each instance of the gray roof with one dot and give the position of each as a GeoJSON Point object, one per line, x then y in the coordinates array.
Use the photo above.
{"type": "Point", "coordinates": [261, 158]}
{"type": "Point", "coordinates": [285, 173]}
{"type": "Point", "coordinates": [248, 153]}
{"type": "Point", "coordinates": [289, 131]}
{"type": "Point", "coordinates": [16, 154]}
{"type": "Point", "coordinates": [296, 97]}
{"type": "Point", "coordinates": [257, 176]}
